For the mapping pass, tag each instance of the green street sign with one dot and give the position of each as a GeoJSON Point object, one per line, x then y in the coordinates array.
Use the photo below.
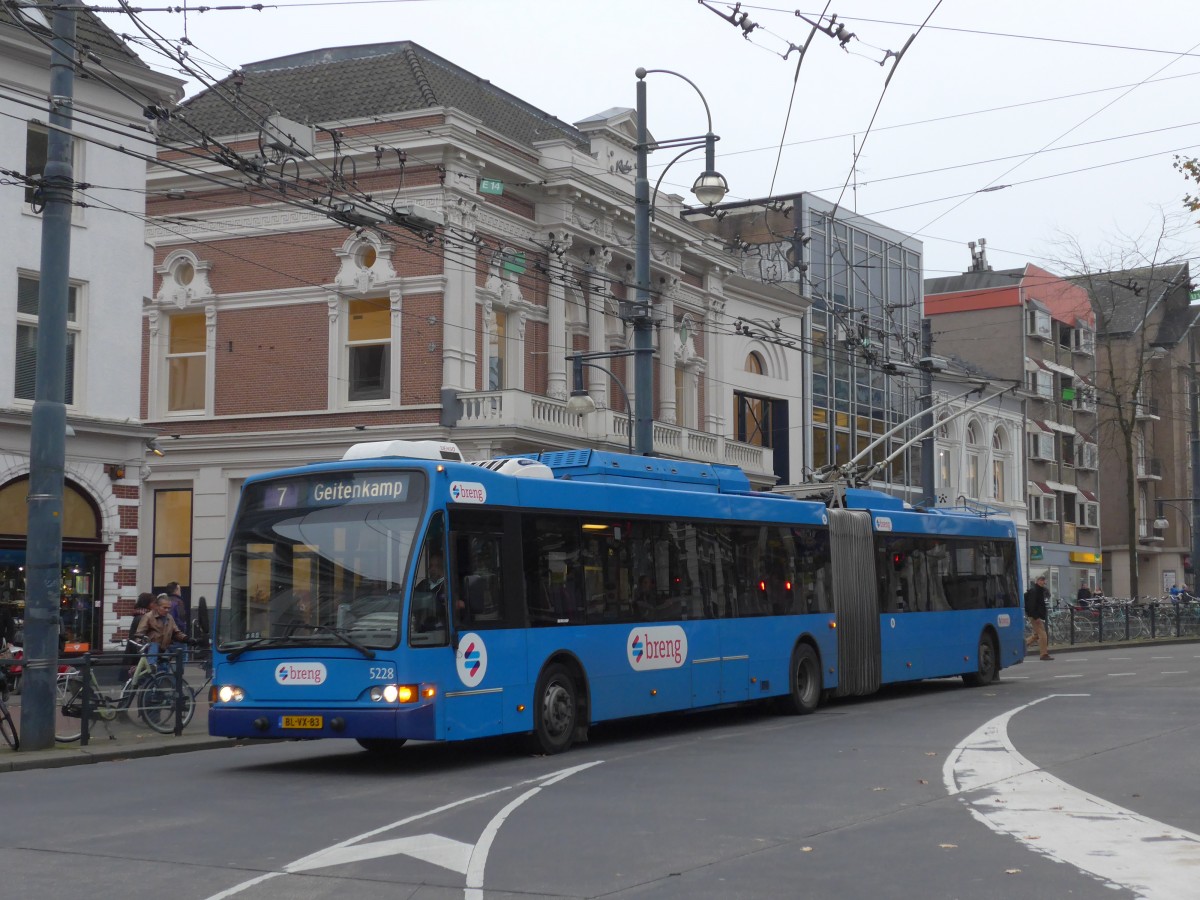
{"type": "Point", "coordinates": [491, 186]}
{"type": "Point", "coordinates": [1035, 552]}
{"type": "Point", "coordinates": [514, 262]}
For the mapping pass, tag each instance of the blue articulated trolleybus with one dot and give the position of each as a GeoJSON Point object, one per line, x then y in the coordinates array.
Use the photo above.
{"type": "Point", "coordinates": [402, 593]}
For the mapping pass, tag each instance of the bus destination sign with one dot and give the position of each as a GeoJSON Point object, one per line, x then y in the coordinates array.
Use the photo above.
{"type": "Point", "coordinates": [333, 490]}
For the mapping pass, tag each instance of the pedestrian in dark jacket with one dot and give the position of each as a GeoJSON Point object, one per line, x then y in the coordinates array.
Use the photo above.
{"type": "Point", "coordinates": [1035, 608]}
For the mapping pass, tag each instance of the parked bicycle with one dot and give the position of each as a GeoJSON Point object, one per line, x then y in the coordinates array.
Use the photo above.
{"type": "Point", "coordinates": [148, 691]}
{"type": "Point", "coordinates": [8, 728]}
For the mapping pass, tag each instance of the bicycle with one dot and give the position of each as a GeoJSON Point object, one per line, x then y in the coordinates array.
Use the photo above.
{"type": "Point", "coordinates": [8, 728]}
{"type": "Point", "coordinates": [152, 690]}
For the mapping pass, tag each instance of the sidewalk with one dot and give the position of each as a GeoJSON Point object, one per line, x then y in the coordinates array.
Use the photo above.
{"type": "Point", "coordinates": [126, 737]}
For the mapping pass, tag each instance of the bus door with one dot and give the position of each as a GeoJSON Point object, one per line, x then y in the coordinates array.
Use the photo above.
{"type": "Point", "coordinates": [487, 607]}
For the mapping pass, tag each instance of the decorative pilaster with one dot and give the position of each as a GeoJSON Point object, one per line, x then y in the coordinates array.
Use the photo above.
{"type": "Point", "coordinates": [556, 309]}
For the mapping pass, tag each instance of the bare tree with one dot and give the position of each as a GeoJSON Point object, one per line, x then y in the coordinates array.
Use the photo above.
{"type": "Point", "coordinates": [1128, 285]}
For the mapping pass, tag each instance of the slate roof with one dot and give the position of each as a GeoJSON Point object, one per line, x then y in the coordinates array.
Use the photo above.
{"type": "Point", "coordinates": [330, 86]}
{"type": "Point", "coordinates": [89, 31]}
{"type": "Point", "coordinates": [1125, 300]}
{"type": "Point", "coordinates": [974, 281]}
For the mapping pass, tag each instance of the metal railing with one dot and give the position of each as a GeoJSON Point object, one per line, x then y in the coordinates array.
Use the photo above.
{"type": "Point", "coordinates": [1113, 621]}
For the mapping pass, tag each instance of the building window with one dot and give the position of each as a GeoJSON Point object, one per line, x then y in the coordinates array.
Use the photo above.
{"type": "Point", "coordinates": [28, 287]}
{"type": "Point", "coordinates": [187, 362]}
{"type": "Point", "coordinates": [172, 539]}
{"type": "Point", "coordinates": [1000, 456]}
{"type": "Point", "coordinates": [497, 352]}
{"type": "Point", "coordinates": [752, 416]}
{"type": "Point", "coordinates": [368, 350]}
{"type": "Point", "coordinates": [754, 364]}
{"type": "Point", "coordinates": [36, 148]}
{"type": "Point", "coordinates": [1038, 324]}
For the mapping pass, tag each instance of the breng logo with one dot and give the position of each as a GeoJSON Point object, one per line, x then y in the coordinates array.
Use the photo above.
{"type": "Point", "coordinates": [300, 673]}
{"type": "Point", "coordinates": [472, 659]}
{"type": "Point", "coordinates": [658, 647]}
{"type": "Point", "coordinates": [468, 492]}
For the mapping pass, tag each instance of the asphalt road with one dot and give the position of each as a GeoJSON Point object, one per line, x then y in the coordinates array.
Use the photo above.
{"type": "Point", "coordinates": [1071, 778]}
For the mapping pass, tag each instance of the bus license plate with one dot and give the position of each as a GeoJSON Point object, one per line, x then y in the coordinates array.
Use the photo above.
{"type": "Point", "coordinates": [308, 722]}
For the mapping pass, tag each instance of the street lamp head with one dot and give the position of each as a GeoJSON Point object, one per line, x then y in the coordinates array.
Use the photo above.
{"type": "Point", "coordinates": [710, 188]}
{"type": "Point", "coordinates": [581, 403]}
{"type": "Point", "coordinates": [1162, 522]}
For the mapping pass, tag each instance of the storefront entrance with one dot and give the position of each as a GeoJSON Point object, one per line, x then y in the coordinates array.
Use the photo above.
{"type": "Point", "coordinates": [81, 595]}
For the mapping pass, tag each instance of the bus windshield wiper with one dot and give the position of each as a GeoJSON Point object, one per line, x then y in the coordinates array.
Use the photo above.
{"type": "Point", "coordinates": [233, 655]}
{"type": "Point", "coordinates": [340, 634]}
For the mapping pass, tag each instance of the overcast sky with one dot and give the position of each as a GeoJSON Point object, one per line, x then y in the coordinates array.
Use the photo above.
{"type": "Point", "coordinates": [1078, 106]}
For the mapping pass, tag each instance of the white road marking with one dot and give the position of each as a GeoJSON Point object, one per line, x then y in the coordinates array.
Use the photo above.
{"type": "Point", "coordinates": [1119, 674]}
{"type": "Point", "coordinates": [1010, 795]}
{"type": "Point", "coordinates": [1008, 677]}
{"type": "Point", "coordinates": [1176, 672]}
{"type": "Point", "coordinates": [468, 859]}
{"type": "Point", "coordinates": [1068, 676]}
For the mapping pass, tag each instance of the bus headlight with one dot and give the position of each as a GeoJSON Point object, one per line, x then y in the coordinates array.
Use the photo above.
{"type": "Point", "coordinates": [396, 693]}
{"type": "Point", "coordinates": [228, 693]}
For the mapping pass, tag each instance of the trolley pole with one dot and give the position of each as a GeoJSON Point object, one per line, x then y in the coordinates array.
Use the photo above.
{"type": "Point", "coordinates": [48, 430]}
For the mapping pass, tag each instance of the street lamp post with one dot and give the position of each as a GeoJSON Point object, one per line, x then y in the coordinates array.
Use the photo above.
{"type": "Point", "coordinates": [1161, 522]}
{"type": "Point", "coordinates": [580, 401]}
{"type": "Point", "coordinates": [710, 189]}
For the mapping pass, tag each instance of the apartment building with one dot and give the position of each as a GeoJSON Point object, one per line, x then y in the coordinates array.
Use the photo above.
{"type": "Point", "coordinates": [1037, 331]}
{"type": "Point", "coordinates": [1147, 327]}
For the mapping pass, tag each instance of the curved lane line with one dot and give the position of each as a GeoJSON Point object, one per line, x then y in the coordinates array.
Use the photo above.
{"type": "Point", "coordinates": [1010, 795]}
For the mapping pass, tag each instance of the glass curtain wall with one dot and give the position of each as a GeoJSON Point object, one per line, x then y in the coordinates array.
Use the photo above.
{"type": "Point", "coordinates": [866, 319]}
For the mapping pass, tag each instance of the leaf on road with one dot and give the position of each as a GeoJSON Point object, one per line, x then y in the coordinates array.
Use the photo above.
{"type": "Point", "coordinates": [1012, 871]}
{"type": "Point", "coordinates": [948, 846]}
{"type": "Point", "coordinates": [806, 849]}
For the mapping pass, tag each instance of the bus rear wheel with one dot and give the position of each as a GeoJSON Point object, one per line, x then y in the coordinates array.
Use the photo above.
{"type": "Point", "coordinates": [987, 671]}
{"type": "Point", "coordinates": [555, 710]}
{"type": "Point", "coordinates": [381, 746]}
{"type": "Point", "coordinates": [805, 679]}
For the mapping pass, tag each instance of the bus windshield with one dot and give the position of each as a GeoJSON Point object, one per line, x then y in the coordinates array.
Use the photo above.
{"type": "Point", "coordinates": [320, 560]}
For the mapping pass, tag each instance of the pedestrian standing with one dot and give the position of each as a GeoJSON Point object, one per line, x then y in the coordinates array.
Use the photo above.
{"type": "Point", "coordinates": [1035, 608]}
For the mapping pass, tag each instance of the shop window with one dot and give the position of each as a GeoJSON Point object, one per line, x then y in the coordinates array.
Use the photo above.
{"type": "Point", "coordinates": [172, 538]}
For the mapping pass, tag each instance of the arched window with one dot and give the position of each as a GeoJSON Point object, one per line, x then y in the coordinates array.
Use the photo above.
{"type": "Point", "coordinates": [1000, 463]}
{"type": "Point", "coordinates": [974, 485]}
{"type": "Point", "coordinates": [81, 519]}
{"type": "Point", "coordinates": [754, 364]}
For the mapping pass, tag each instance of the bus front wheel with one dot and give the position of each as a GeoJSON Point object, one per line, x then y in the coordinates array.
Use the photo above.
{"type": "Point", "coordinates": [805, 679]}
{"type": "Point", "coordinates": [986, 671]}
{"type": "Point", "coordinates": [555, 710]}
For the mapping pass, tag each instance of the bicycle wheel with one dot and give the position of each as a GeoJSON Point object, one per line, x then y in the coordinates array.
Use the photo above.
{"type": "Point", "coordinates": [156, 704]}
{"type": "Point", "coordinates": [68, 708]}
{"type": "Point", "coordinates": [8, 729]}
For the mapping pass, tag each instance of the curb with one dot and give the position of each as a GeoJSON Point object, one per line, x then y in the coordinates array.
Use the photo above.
{"type": "Point", "coordinates": [82, 756]}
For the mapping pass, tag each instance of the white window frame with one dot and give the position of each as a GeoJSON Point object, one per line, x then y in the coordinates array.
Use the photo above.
{"type": "Point", "coordinates": [167, 356]}
{"type": "Point", "coordinates": [1041, 445]}
{"type": "Point", "coordinates": [1037, 324]}
{"type": "Point", "coordinates": [1043, 508]}
{"type": "Point", "coordinates": [77, 173]}
{"type": "Point", "coordinates": [338, 396]}
{"type": "Point", "coordinates": [74, 329]}
{"type": "Point", "coordinates": [1087, 514]}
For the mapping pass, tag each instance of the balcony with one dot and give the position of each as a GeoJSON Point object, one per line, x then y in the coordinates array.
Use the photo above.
{"type": "Point", "coordinates": [1147, 533]}
{"type": "Point", "coordinates": [1146, 410]}
{"type": "Point", "coordinates": [1149, 468]}
{"type": "Point", "coordinates": [543, 422]}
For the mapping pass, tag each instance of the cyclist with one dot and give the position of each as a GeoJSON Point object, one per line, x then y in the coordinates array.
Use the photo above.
{"type": "Point", "coordinates": [160, 629]}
